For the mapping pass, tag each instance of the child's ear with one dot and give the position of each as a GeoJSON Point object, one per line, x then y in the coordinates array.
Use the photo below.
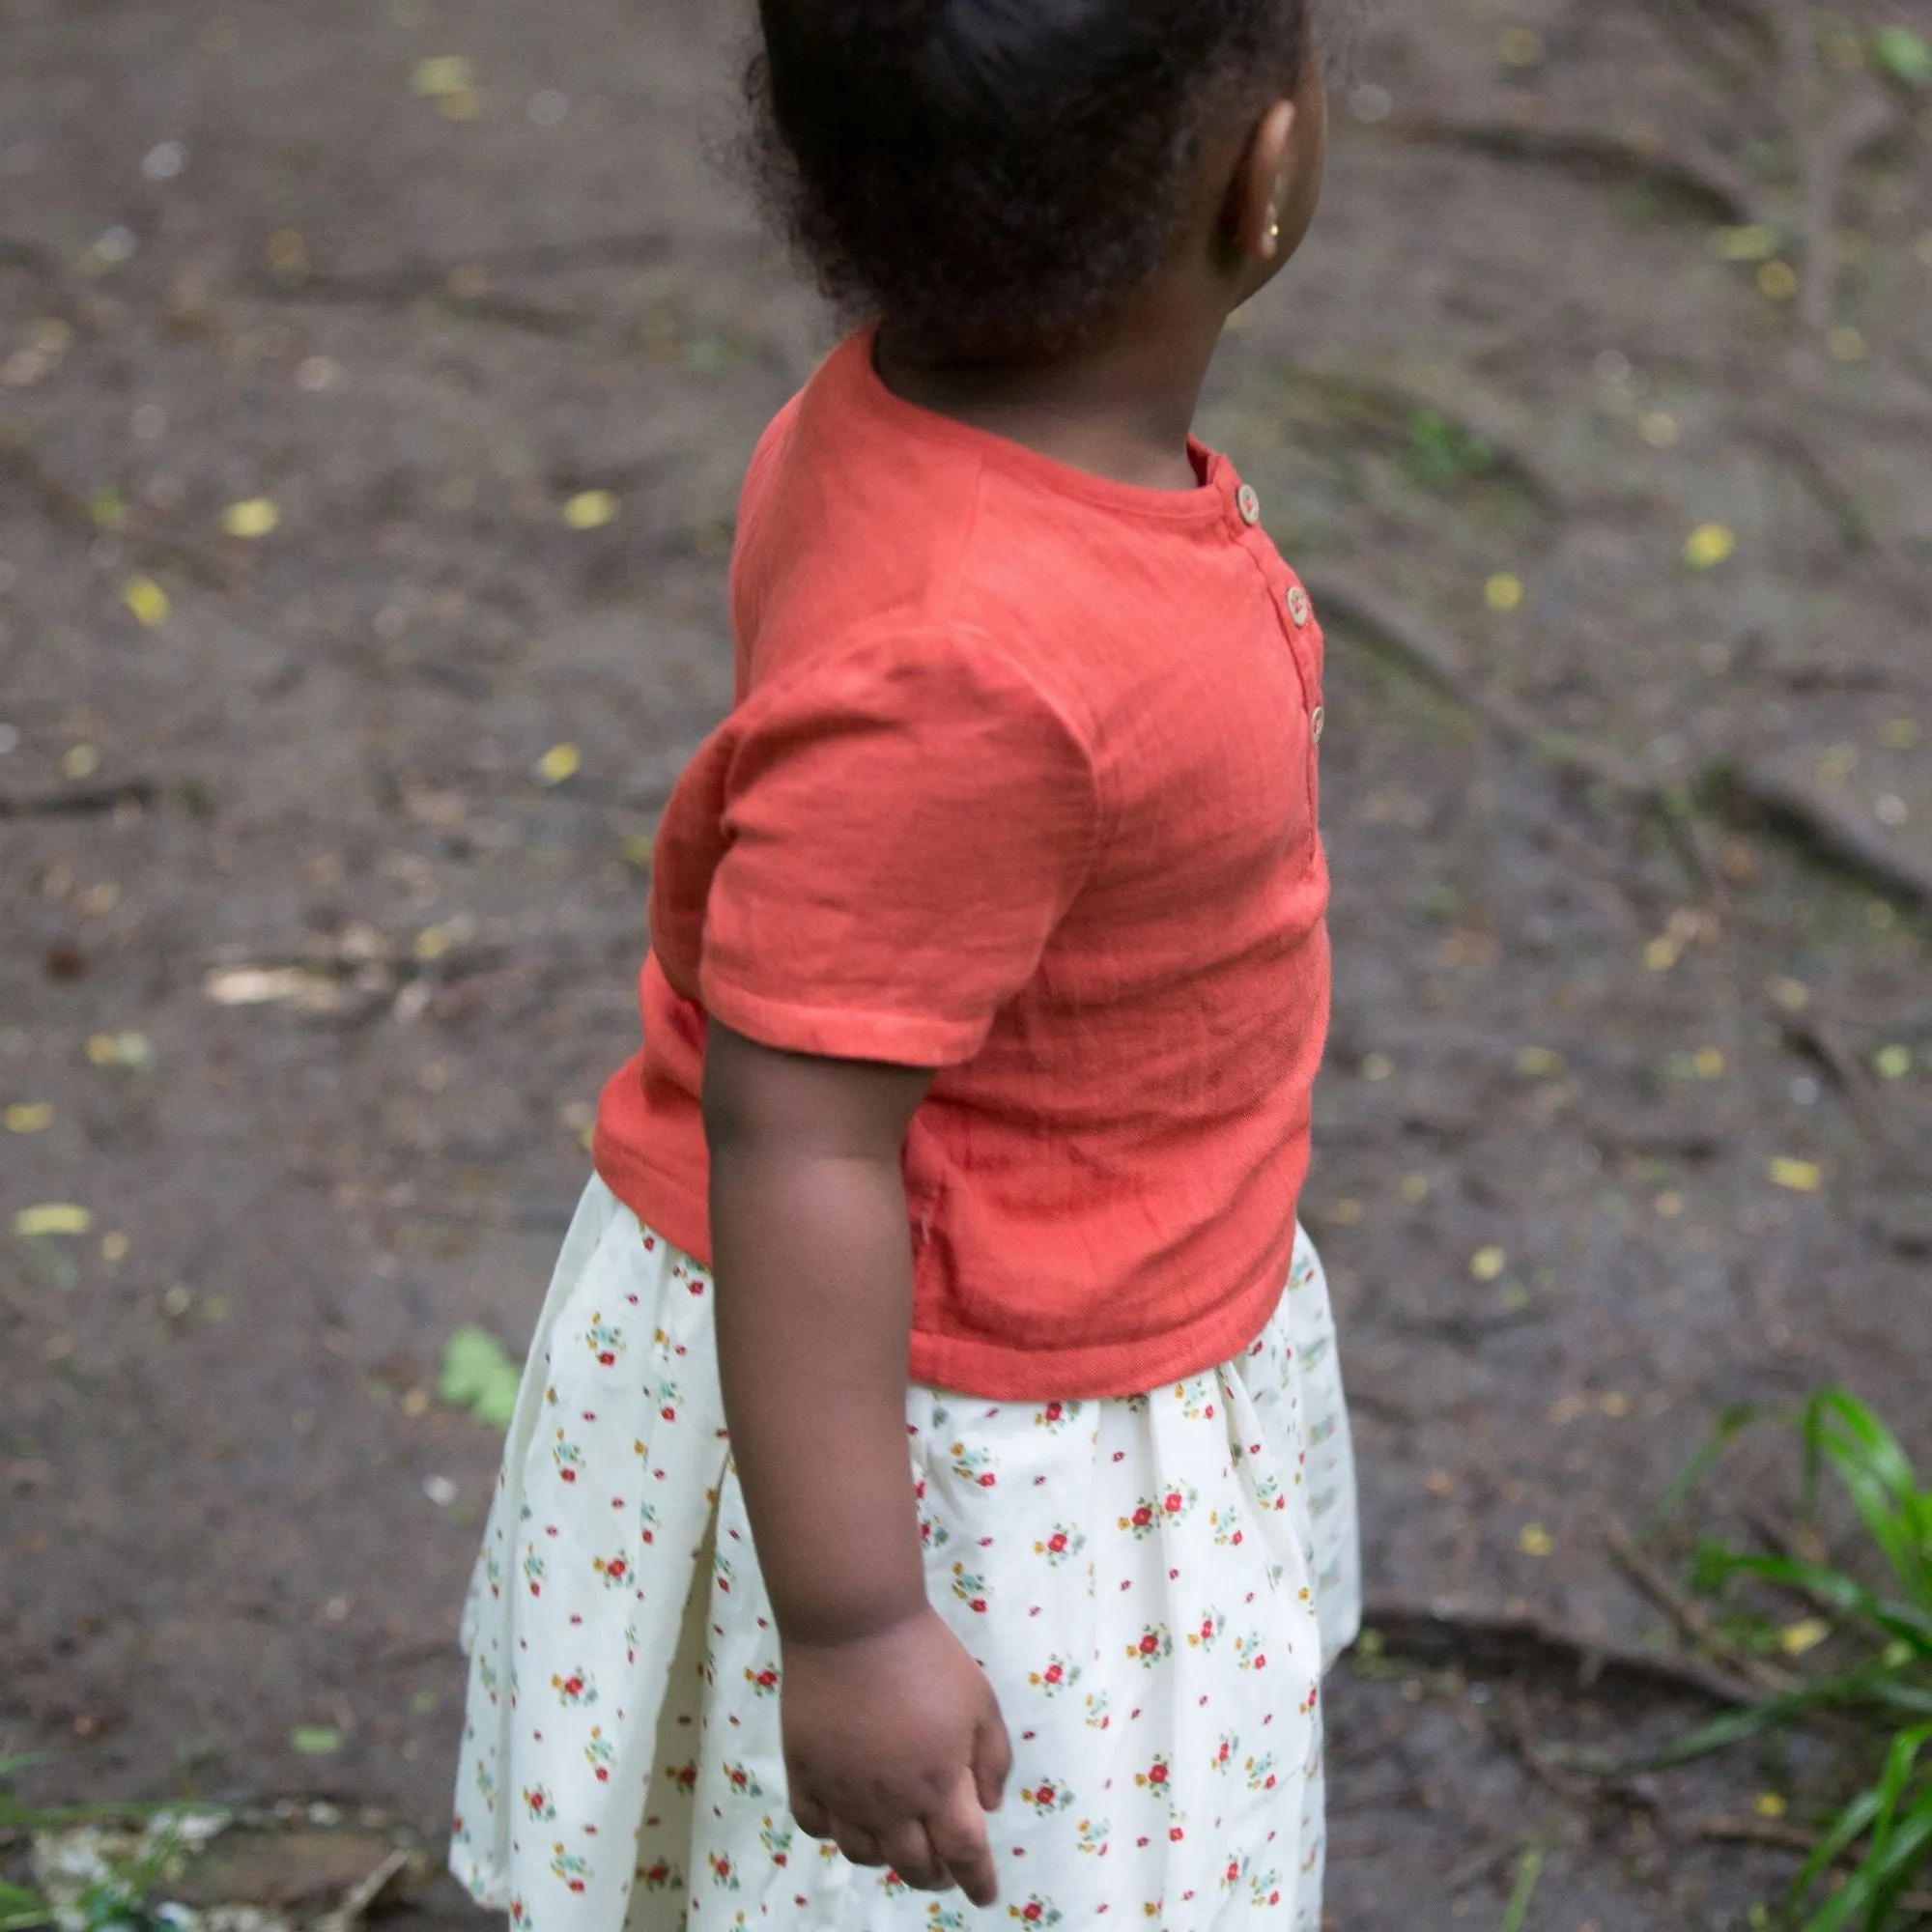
{"type": "Point", "coordinates": [1263, 185]}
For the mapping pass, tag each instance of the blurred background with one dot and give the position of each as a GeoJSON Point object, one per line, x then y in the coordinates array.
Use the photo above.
{"type": "Point", "coordinates": [375, 385]}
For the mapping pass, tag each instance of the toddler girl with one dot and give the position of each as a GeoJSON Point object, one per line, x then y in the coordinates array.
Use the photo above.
{"type": "Point", "coordinates": [929, 1502]}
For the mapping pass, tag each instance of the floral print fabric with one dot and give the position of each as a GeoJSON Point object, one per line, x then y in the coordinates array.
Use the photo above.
{"type": "Point", "coordinates": [1154, 1584]}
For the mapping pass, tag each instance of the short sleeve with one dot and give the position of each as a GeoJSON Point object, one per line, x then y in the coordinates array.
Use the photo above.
{"type": "Point", "coordinates": [899, 830]}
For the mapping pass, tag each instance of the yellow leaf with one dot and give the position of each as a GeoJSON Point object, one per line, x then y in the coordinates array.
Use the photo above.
{"type": "Point", "coordinates": [1487, 1264]}
{"type": "Point", "coordinates": [1709, 545]}
{"type": "Point", "coordinates": [1795, 1639]}
{"type": "Point", "coordinates": [1416, 1188]}
{"type": "Point", "coordinates": [82, 761]}
{"type": "Point", "coordinates": [443, 74]}
{"type": "Point", "coordinates": [558, 764]}
{"type": "Point", "coordinates": [252, 517]}
{"type": "Point", "coordinates": [1846, 344]}
{"type": "Point", "coordinates": [1503, 591]}
{"type": "Point", "coordinates": [1753, 243]}
{"type": "Point", "coordinates": [1802, 1177]}
{"type": "Point", "coordinates": [1662, 955]}
{"type": "Point", "coordinates": [1709, 1063]}
{"type": "Point", "coordinates": [120, 1049]}
{"type": "Point", "coordinates": [114, 1247]}
{"type": "Point", "coordinates": [590, 509]}
{"type": "Point", "coordinates": [1769, 1804]}
{"type": "Point", "coordinates": [640, 849]}
{"type": "Point", "coordinates": [1893, 1063]}
{"type": "Point", "coordinates": [1659, 428]}
{"type": "Point", "coordinates": [1539, 1062]}
{"type": "Point", "coordinates": [1778, 280]}
{"type": "Point", "coordinates": [29, 1117]}
{"type": "Point", "coordinates": [1519, 47]}
{"type": "Point", "coordinates": [52, 1217]}
{"type": "Point", "coordinates": [1535, 1541]}
{"type": "Point", "coordinates": [147, 600]}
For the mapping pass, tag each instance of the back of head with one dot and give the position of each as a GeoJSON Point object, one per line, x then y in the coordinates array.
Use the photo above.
{"type": "Point", "coordinates": [997, 176]}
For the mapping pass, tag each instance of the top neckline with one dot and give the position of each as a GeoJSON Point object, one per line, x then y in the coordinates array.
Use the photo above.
{"type": "Point", "coordinates": [1212, 502]}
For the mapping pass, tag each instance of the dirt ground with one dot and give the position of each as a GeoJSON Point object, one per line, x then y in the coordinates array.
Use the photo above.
{"type": "Point", "coordinates": [1617, 501]}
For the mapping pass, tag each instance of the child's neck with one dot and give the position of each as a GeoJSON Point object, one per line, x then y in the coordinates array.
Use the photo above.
{"type": "Point", "coordinates": [1120, 404]}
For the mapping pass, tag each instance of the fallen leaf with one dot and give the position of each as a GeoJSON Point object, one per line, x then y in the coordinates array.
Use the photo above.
{"type": "Point", "coordinates": [558, 764]}
{"type": "Point", "coordinates": [146, 600]}
{"type": "Point", "coordinates": [1808, 1633]}
{"type": "Point", "coordinates": [1802, 1177]}
{"type": "Point", "coordinates": [479, 1375]}
{"type": "Point", "coordinates": [1709, 545]}
{"type": "Point", "coordinates": [252, 517]}
{"type": "Point", "coordinates": [590, 509]}
{"type": "Point", "coordinates": [29, 1117]}
{"type": "Point", "coordinates": [1503, 591]}
{"type": "Point", "coordinates": [114, 1247]}
{"type": "Point", "coordinates": [1535, 1541]}
{"type": "Point", "coordinates": [442, 74]}
{"type": "Point", "coordinates": [1893, 1063]}
{"type": "Point", "coordinates": [1708, 1062]}
{"type": "Point", "coordinates": [81, 761]}
{"type": "Point", "coordinates": [1903, 53]}
{"type": "Point", "coordinates": [1778, 280]}
{"type": "Point", "coordinates": [315, 1740]}
{"type": "Point", "coordinates": [1752, 242]}
{"type": "Point", "coordinates": [120, 1049]}
{"type": "Point", "coordinates": [1539, 1062]}
{"type": "Point", "coordinates": [52, 1217]}
{"type": "Point", "coordinates": [1769, 1804]}
{"type": "Point", "coordinates": [1487, 1264]}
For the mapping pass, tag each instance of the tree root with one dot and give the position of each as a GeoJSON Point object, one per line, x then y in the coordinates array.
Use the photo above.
{"type": "Point", "coordinates": [1500, 1645]}
{"type": "Point", "coordinates": [1768, 791]}
{"type": "Point", "coordinates": [1694, 174]}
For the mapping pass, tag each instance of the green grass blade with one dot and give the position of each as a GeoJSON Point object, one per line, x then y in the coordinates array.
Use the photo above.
{"type": "Point", "coordinates": [1715, 1567]}
{"type": "Point", "coordinates": [1865, 1890]}
{"type": "Point", "coordinates": [1529, 1876]}
{"type": "Point", "coordinates": [1846, 1828]}
{"type": "Point", "coordinates": [1868, 1682]}
{"type": "Point", "coordinates": [1730, 1426]}
{"type": "Point", "coordinates": [1900, 1874]}
{"type": "Point", "coordinates": [1877, 1476]}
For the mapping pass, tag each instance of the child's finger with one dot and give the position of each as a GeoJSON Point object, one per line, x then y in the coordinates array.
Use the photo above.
{"type": "Point", "coordinates": [957, 1831]}
{"type": "Point", "coordinates": [909, 1853]}
{"type": "Point", "coordinates": [812, 1818]}
{"type": "Point", "coordinates": [992, 1758]}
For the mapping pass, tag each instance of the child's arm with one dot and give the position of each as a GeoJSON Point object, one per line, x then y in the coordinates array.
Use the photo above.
{"type": "Point", "coordinates": [893, 1741]}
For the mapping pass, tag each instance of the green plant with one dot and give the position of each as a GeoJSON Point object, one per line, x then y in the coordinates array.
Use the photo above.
{"type": "Point", "coordinates": [92, 1877]}
{"type": "Point", "coordinates": [1441, 452]}
{"type": "Point", "coordinates": [1866, 1859]}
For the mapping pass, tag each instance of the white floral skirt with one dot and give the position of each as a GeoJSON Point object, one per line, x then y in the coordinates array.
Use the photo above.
{"type": "Point", "coordinates": [1155, 1586]}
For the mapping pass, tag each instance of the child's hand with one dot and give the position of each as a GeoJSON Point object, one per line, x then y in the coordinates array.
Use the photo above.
{"type": "Point", "coordinates": [895, 1748]}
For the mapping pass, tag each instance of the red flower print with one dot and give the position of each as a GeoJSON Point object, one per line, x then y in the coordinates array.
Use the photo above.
{"type": "Point", "coordinates": [1170, 1502]}
{"type": "Point", "coordinates": [1142, 1515]}
{"type": "Point", "coordinates": [576, 1885]}
{"type": "Point", "coordinates": [1175, 1835]}
{"type": "Point", "coordinates": [669, 1414]}
{"type": "Point", "coordinates": [988, 1479]}
{"type": "Point", "coordinates": [1150, 1643]}
{"type": "Point", "coordinates": [1033, 1910]}
{"type": "Point", "coordinates": [603, 1773]}
{"type": "Point", "coordinates": [1053, 1412]}
{"type": "Point", "coordinates": [1234, 1870]}
{"type": "Point", "coordinates": [1053, 1673]}
{"type": "Point", "coordinates": [568, 1475]}
{"type": "Point", "coordinates": [1057, 1543]}
{"type": "Point", "coordinates": [606, 1359]}
{"type": "Point", "coordinates": [1156, 1772]}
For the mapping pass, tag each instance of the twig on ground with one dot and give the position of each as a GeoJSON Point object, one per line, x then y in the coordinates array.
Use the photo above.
{"type": "Point", "coordinates": [1840, 497]}
{"type": "Point", "coordinates": [68, 507]}
{"type": "Point", "coordinates": [1695, 173]}
{"type": "Point", "coordinates": [1691, 1616]}
{"type": "Point", "coordinates": [1778, 1835]}
{"type": "Point", "coordinates": [1496, 1645]}
{"type": "Point", "coordinates": [82, 802]}
{"type": "Point", "coordinates": [1429, 651]}
{"type": "Point", "coordinates": [1788, 803]}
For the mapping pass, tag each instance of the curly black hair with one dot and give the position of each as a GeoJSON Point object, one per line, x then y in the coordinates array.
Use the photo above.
{"type": "Point", "coordinates": [995, 176]}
